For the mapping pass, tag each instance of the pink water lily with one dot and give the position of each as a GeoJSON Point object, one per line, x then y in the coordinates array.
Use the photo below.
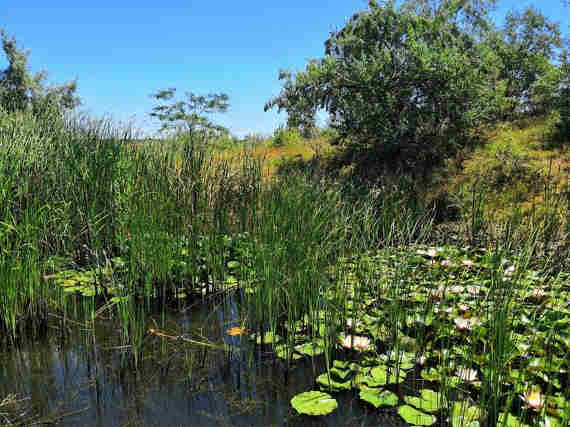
{"type": "Point", "coordinates": [357, 342]}
{"type": "Point", "coordinates": [534, 399]}
{"type": "Point", "coordinates": [538, 294]}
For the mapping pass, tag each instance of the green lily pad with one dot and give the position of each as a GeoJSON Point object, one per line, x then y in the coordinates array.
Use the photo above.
{"type": "Point", "coordinates": [414, 417]}
{"type": "Point", "coordinates": [310, 349]}
{"type": "Point", "coordinates": [378, 397]}
{"type": "Point", "coordinates": [509, 420]}
{"type": "Point", "coordinates": [463, 415]}
{"type": "Point", "coordinates": [314, 403]}
{"type": "Point", "coordinates": [268, 338]}
{"type": "Point", "coordinates": [282, 351]}
{"type": "Point", "coordinates": [380, 375]}
{"type": "Point", "coordinates": [429, 400]}
{"type": "Point", "coordinates": [329, 383]}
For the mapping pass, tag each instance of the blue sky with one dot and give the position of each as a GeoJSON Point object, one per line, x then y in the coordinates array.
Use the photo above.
{"type": "Point", "coordinates": [121, 51]}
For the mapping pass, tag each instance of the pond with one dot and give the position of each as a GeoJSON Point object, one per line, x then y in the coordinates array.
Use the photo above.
{"type": "Point", "coordinates": [82, 377]}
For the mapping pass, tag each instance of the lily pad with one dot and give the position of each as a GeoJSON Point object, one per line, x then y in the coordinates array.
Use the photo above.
{"type": "Point", "coordinates": [329, 383]}
{"type": "Point", "coordinates": [464, 415]}
{"type": "Point", "coordinates": [378, 398]}
{"type": "Point", "coordinates": [314, 403]}
{"type": "Point", "coordinates": [509, 420]}
{"type": "Point", "coordinates": [429, 401]}
{"type": "Point", "coordinates": [414, 417]}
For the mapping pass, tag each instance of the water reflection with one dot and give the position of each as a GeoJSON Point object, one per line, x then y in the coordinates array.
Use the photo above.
{"type": "Point", "coordinates": [81, 378]}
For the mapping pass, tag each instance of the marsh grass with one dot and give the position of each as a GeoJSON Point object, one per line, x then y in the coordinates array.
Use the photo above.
{"type": "Point", "coordinates": [153, 222]}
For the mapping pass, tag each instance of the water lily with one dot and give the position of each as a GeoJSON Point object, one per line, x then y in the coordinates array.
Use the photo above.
{"type": "Point", "coordinates": [457, 289]}
{"type": "Point", "coordinates": [467, 375]}
{"type": "Point", "coordinates": [350, 323]}
{"type": "Point", "coordinates": [538, 294]}
{"type": "Point", "coordinates": [534, 399]}
{"type": "Point", "coordinates": [473, 290]}
{"type": "Point", "coordinates": [465, 324]}
{"type": "Point", "coordinates": [357, 342]}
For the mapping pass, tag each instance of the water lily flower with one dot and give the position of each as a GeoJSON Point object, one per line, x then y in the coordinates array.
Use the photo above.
{"type": "Point", "coordinates": [538, 294]}
{"type": "Point", "coordinates": [457, 289]}
{"type": "Point", "coordinates": [465, 324]}
{"type": "Point", "coordinates": [350, 323]}
{"type": "Point", "coordinates": [473, 290]}
{"type": "Point", "coordinates": [534, 399]}
{"type": "Point", "coordinates": [357, 342]}
{"type": "Point", "coordinates": [509, 271]}
{"type": "Point", "coordinates": [467, 375]}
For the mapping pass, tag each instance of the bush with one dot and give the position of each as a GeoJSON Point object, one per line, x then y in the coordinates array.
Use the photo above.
{"type": "Point", "coordinates": [286, 136]}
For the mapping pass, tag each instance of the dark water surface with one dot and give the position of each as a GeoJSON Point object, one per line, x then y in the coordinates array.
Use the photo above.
{"type": "Point", "coordinates": [84, 377]}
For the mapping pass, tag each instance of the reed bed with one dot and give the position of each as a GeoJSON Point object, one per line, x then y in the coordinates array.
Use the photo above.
{"type": "Point", "coordinates": [86, 210]}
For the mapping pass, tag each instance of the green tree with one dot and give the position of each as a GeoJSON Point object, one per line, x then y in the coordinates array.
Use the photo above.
{"type": "Point", "coordinates": [20, 90]}
{"type": "Point", "coordinates": [526, 46]}
{"type": "Point", "coordinates": [189, 115]}
{"type": "Point", "coordinates": [403, 85]}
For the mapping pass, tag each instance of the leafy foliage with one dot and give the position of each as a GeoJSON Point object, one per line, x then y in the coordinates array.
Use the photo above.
{"type": "Point", "coordinates": [19, 90]}
{"type": "Point", "coordinates": [189, 115]}
{"type": "Point", "coordinates": [409, 86]}
{"type": "Point", "coordinates": [526, 47]}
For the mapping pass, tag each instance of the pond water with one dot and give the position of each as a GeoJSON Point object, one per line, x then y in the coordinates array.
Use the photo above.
{"type": "Point", "coordinates": [80, 376]}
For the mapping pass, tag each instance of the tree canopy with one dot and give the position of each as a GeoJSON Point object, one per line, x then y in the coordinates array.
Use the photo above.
{"type": "Point", "coordinates": [20, 90]}
{"type": "Point", "coordinates": [189, 115]}
{"type": "Point", "coordinates": [412, 83]}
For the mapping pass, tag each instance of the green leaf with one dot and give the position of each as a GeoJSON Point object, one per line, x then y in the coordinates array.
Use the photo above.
{"type": "Point", "coordinates": [329, 383]}
{"type": "Point", "coordinates": [378, 397]}
{"type": "Point", "coordinates": [314, 403]}
{"type": "Point", "coordinates": [429, 401]}
{"type": "Point", "coordinates": [414, 417]}
{"type": "Point", "coordinates": [463, 415]}
{"type": "Point", "coordinates": [510, 421]}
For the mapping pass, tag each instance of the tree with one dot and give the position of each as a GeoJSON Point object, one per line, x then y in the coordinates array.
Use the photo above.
{"type": "Point", "coordinates": [402, 85]}
{"type": "Point", "coordinates": [190, 115]}
{"type": "Point", "coordinates": [526, 46]}
{"type": "Point", "coordinates": [20, 91]}
{"type": "Point", "coordinates": [471, 15]}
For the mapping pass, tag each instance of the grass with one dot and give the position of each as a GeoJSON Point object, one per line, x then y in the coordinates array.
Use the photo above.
{"type": "Point", "coordinates": [319, 269]}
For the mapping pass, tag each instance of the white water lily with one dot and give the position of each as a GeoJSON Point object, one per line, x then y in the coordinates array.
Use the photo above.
{"type": "Point", "coordinates": [465, 324]}
{"type": "Point", "coordinates": [467, 375]}
{"type": "Point", "coordinates": [473, 291]}
{"type": "Point", "coordinates": [357, 342]}
{"type": "Point", "coordinates": [457, 289]}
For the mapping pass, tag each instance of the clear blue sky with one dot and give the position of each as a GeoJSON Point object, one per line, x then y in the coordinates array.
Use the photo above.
{"type": "Point", "coordinates": [121, 51]}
